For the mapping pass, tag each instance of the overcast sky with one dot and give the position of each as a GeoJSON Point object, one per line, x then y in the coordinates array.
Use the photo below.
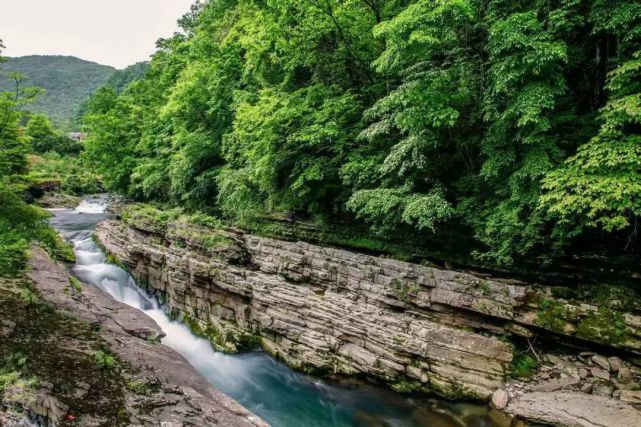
{"type": "Point", "coordinates": [110, 32]}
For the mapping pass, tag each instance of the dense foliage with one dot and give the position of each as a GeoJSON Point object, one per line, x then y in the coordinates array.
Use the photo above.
{"type": "Point", "coordinates": [67, 82]}
{"type": "Point", "coordinates": [517, 124]}
{"type": "Point", "coordinates": [20, 223]}
{"type": "Point", "coordinates": [45, 138]}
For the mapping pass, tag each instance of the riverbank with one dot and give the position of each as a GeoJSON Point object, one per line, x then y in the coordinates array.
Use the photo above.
{"type": "Point", "coordinates": [70, 355]}
{"type": "Point", "coordinates": [415, 327]}
{"type": "Point", "coordinates": [108, 365]}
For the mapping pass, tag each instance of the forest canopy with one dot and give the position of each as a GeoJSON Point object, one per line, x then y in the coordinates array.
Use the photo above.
{"type": "Point", "coordinates": [516, 124]}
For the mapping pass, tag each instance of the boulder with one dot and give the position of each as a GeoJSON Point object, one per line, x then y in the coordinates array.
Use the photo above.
{"type": "Point", "coordinates": [583, 373]}
{"type": "Point", "coordinates": [499, 399]}
{"type": "Point", "coordinates": [600, 373]}
{"type": "Point", "coordinates": [554, 384]}
{"type": "Point", "coordinates": [602, 388]}
{"type": "Point", "coordinates": [624, 376]}
{"type": "Point", "coordinates": [631, 396]}
{"type": "Point", "coordinates": [601, 362]}
{"type": "Point", "coordinates": [615, 363]}
{"type": "Point", "coordinates": [586, 388]}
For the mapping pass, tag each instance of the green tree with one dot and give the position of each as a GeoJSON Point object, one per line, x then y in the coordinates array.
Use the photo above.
{"type": "Point", "coordinates": [600, 186]}
{"type": "Point", "coordinates": [420, 118]}
{"type": "Point", "coordinates": [422, 133]}
{"type": "Point", "coordinates": [20, 223]}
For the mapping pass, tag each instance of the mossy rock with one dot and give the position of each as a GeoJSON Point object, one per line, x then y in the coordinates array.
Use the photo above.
{"type": "Point", "coordinates": [604, 325]}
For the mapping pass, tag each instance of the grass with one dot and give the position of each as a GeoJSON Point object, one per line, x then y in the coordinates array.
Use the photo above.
{"type": "Point", "coordinates": [75, 284]}
{"type": "Point", "coordinates": [523, 366]}
{"type": "Point", "coordinates": [104, 359]}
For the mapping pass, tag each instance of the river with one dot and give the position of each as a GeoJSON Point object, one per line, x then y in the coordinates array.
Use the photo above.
{"type": "Point", "coordinates": [267, 387]}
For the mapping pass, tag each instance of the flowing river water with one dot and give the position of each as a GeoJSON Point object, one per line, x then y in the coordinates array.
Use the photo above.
{"type": "Point", "coordinates": [267, 387]}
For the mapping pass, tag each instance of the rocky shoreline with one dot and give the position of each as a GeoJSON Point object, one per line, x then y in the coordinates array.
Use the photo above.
{"type": "Point", "coordinates": [162, 387]}
{"type": "Point", "coordinates": [415, 327]}
{"type": "Point", "coordinates": [585, 389]}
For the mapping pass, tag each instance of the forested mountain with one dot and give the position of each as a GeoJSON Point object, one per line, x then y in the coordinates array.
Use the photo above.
{"type": "Point", "coordinates": [514, 126]}
{"type": "Point", "coordinates": [68, 82]}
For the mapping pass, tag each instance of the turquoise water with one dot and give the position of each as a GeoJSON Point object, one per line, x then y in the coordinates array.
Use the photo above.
{"type": "Point", "coordinates": [267, 387]}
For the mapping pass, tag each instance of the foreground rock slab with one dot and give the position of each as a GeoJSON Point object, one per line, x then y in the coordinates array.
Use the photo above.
{"type": "Point", "coordinates": [568, 409]}
{"type": "Point", "coordinates": [187, 398]}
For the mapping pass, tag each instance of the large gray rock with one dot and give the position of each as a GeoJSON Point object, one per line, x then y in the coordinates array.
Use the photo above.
{"type": "Point", "coordinates": [566, 409]}
{"type": "Point", "coordinates": [188, 398]}
{"type": "Point", "coordinates": [413, 326]}
{"type": "Point", "coordinates": [330, 309]}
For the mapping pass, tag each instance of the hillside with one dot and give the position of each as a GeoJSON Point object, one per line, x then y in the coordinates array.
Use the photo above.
{"type": "Point", "coordinates": [68, 82]}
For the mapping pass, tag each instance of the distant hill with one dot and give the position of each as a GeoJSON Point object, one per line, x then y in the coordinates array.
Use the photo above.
{"type": "Point", "coordinates": [69, 81]}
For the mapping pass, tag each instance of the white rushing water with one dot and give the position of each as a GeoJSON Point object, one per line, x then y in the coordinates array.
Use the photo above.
{"type": "Point", "coordinates": [91, 206]}
{"type": "Point", "coordinates": [270, 389]}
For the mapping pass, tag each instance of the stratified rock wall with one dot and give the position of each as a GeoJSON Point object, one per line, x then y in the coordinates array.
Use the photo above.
{"type": "Point", "coordinates": [329, 309]}
{"type": "Point", "coordinates": [333, 310]}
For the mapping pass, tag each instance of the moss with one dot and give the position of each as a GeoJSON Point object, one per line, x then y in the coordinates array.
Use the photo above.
{"type": "Point", "coordinates": [216, 241]}
{"type": "Point", "coordinates": [205, 220]}
{"type": "Point", "coordinates": [552, 315]}
{"type": "Point", "coordinates": [603, 325]}
{"type": "Point", "coordinates": [142, 387]}
{"type": "Point", "coordinates": [183, 233]}
{"type": "Point", "coordinates": [404, 290]}
{"type": "Point", "coordinates": [8, 378]}
{"type": "Point", "coordinates": [149, 217]}
{"type": "Point", "coordinates": [486, 287]}
{"type": "Point", "coordinates": [482, 306]}
{"type": "Point", "coordinates": [105, 359]}
{"type": "Point", "coordinates": [62, 250]}
{"type": "Point", "coordinates": [404, 384]}
{"type": "Point", "coordinates": [220, 338]}
{"type": "Point", "coordinates": [458, 391]}
{"type": "Point", "coordinates": [154, 340]}
{"type": "Point", "coordinates": [29, 297]}
{"type": "Point", "coordinates": [111, 259]}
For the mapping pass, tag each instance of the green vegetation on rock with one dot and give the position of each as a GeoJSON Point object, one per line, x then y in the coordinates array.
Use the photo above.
{"type": "Point", "coordinates": [523, 366]}
{"type": "Point", "coordinates": [552, 315]}
{"type": "Point", "coordinates": [604, 325]}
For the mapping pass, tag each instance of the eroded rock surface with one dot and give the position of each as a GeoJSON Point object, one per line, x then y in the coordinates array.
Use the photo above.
{"type": "Point", "coordinates": [319, 308]}
{"type": "Point", "coordinates": [568, 409]}
{"type": "Point", "coordinates": [328, 309]}
{"type": "Point", "coordinates": [166, 387]}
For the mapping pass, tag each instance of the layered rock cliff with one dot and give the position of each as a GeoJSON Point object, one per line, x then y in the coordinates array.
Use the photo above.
{"type": "Point", "coordinates": [326, 309]}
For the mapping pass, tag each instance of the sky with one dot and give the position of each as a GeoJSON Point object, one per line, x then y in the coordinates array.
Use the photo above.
{"type": "Point", "coordinates": [111, 32]}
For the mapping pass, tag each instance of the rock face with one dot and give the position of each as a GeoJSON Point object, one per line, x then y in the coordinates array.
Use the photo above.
{"type": "Point", "coordinates": [328, 309]}
{"type": "Point", "coordinates": [180, 396]}
{"type": "Point", "coordinates": [332, 310]}
{"type": "Point", "coordinates": [566, 409]}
